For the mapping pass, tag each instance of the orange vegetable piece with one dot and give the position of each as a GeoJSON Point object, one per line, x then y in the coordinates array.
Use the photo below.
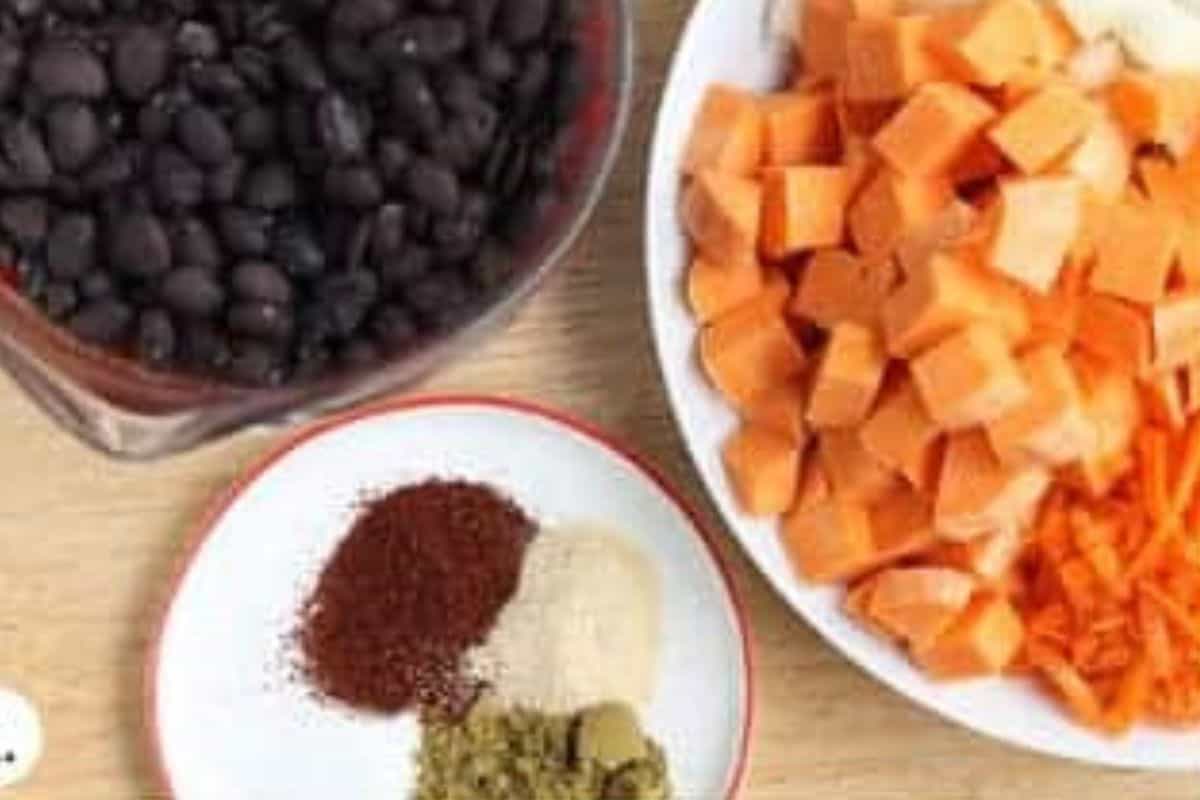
{"type": "Point", "coordinates": [721, 213]}
{"type": "Point", "coordinates": [1093, 226]}
{"type": "Point", "coordinates": [918, 604]}
{"type": "Point", "coordinates": [861, 119]}
{"type": "Point", "coordinates": [901, 435]}
{"type": "Point", "coordinates": [944, 295]}
{"type": "Point", "coordinates": [1051, 426]}
{"type": "Point", "coordinates": [781, 410]}
{"type": "Point", "coordinates": [933, 130]}
{"type": "Point", "coordinates": [764, 468]}
{"type": "Point", "coordinates": [848, 377]}
{"type": "Point", "coordinates": [887, 58]}
{"type": "Point", "coordinates": [814, 485]}
{"type": "Point", "coordinates": [948, 228]}
{"type": "Point", "coordinates": [1037, 223]}
{"type": "Point", "coordinates": [981, 161]}
{"type": "Point", "coordinates": [1117, 331]}
{"type": "Point", "coordinates": [1044, 127]}
{"type": "Point", "coordinates": [830, 541]}
{"type": "Point", "coordinates": [1111, 401]}
{"type": "Point", "coordinates": [1175, 321]}
{"type": "Point", "coordinates": [1074, 689]}
{"type": "Point", "coordinates": [803, 208]}
{"type": "Point", "coordinates": [1162, 399]}
{"type": "Point", "coordinates": [1054, 317]}
{"type": "Point", "coordinates": [989, 557]}
{"type": "Point", "coordinates": [977, 494]}
{"type": "Point", "coordinates": [988, 44]}
{"type": "Point", "coordinates": [853, 472]}
{"type": "Point", "coordinates": [901, 526]}
{"type": "Point", "coordinates": [970, 378]}
{"type": "Point", "coordinates": [984, 640]}
{"type": "Point", "coordinates": [891, 207]}
{"type": "Point", "coordinates": [714, 288]}
{"type": "Point", "coordinates": [800, 128]}
{"type": "Point", "coordinates": [1135, 254]}
{"type": "Point", "coordinates": [1054, 38]}
{"type": "Point", "coordinates": [822, 33]}
{"type": "Point", "coordinates": [837, 286]}
{"type": "Point", "coordinates": [1103, 160]}
{"type": "Point", "coordinates": [1158, 108]}
{"type": "Point", "coordinates": [727, 135]}
{"type": "Point", "coordinates": [749, 350]}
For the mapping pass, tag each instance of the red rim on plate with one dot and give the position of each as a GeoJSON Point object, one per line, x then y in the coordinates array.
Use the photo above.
{"type": "Point", "coordinates": [227, 497]}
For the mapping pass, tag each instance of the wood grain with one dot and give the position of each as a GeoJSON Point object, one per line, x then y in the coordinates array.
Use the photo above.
{"type": "Point", "coordinates": [86, 545]}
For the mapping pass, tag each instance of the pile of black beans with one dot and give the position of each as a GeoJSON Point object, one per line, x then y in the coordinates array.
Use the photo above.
{"type": "Point", "coordinates": [264, 191]}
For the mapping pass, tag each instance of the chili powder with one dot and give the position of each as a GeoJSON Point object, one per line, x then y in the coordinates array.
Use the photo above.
{"type": "Point", "coordinates": [419, 580]}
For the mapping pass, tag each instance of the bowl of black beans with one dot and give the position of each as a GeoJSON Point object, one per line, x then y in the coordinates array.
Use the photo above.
{"type": "Point", "coordinates": [215, 213]}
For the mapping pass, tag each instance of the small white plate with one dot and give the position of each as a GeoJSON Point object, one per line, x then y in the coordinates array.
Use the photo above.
{"type": "Point", "coordinates": [735, 42]}
{"type": "Point", "coordinates": [224, 715]}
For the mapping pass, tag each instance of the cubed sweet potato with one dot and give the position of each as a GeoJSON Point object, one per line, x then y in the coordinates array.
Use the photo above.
{"type": "Point", "coordinates": [1037, 223]}
{"type": "Point", "coordinates": [848, 377]}
{"type": "Point", "coordinates": [984, 640]}
{"type": "Point", "coordinates": [1135, 254]}
{"type": "Point", "coordinates": [1158, 108]}
{"type": "Point", "coordinates": [781, 409]}
{"type": "Point", "coordinates": [989, 557]}
{"type": "Point", "coordinates": [1175, 321]}
{"type": "Point", "coordinates": [901, 435]}
{"type": "Point", "coordinates": [1055, 39]}
{"type": "Point", "coordinates": [1054, 317]}
{"type": "Point", "coordinates": [985, 45]}
{"type": "Point", "coordinates": [1103, 159]}
{"type": "Point", "coordinates": [901, 526]}
{"type": "Point", "coordinates": [814, 485]}
{"type": "Point", "coordinates": [1051, 426]}
{"type": "Point", "coordinates": [1163, 400]}
{"type": "Point", "coordinates": [822, 31]}
{"type": "Point", "coordinates": [981, 162]}
{"type": "Point", "coordinates": [749, 350]}
{"type": "Point", "coordinates": [891, 207]}
{"type": "Point", "coordinates": [933, 130]}
{"type": "Point", "coordinates": [887, 58]}
{"type": "Point", "coordinates": [1111, 400]}
{"type": "Point", "coordinates": [977, 494]}
{"type": "Point", "coordinates": [945, 231]}
{"type": "Point", "coordinates": [829, 541]}
{"type": "Point", "coordinates": [1191, 388]}
{"type": "Point", "coordinates": [853, 472]}
{"type": "Point", "coordinates": [713, 288]}
{"type": "Point", "coordinates": [918, 604]}
{"type": "Point", "coordinates": [721, 213]}
{"type": "Point", "coordinates": [860, 119]}
{"type": "Point", "coordinates": [764, 468]}
{"type": "Point", "coordinates": [970, 378]}
{"type": "Point", "coordinates": [727, 135]}
{"type": "Point", "coordinates": [838, 286]}
{"type": "Point", "coordinates": [1043, 127]}
{"type": "Point", "coordinates": [800, 128]}
{"type": "Point", "coordinates": [803, 209]}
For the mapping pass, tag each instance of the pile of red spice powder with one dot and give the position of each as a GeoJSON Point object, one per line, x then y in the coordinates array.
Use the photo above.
{"type": "Point", "coordinates": [419, 580]}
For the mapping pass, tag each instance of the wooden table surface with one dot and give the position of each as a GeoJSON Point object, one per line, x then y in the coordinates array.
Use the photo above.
{"type": "Point", "coordinates": [86, 545]}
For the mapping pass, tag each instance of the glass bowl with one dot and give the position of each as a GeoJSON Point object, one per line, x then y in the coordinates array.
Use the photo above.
{"type": "Point", "coordinates": [128, 411]}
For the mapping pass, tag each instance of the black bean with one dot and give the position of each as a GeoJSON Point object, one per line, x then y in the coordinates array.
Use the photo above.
{"type": "Point", "coordinates": [522, 21]}
{"type": "Point", "coordinates": [439, 5]}
{"type": "Point", "coordinates": [197, 40]}
{"type": "Point", "coordinates": [203, 134]}
{"type": "Point", "coordinates": [193, 244]}
{"type": "Point", "coordinates": [24, 219]}
{"type": "Point", "coordinates": [257, 67]}
{"type": "Point", "coordinates": [360, 17]}
{"type": "Point", "coordinates": [154, 122]}
{"type": "Point", "coordinates": [358, 244]}
{"type": "Point", "coordinates": [312, 359]}
{"type": "Point", "coordinates": [495, 63]}
{"type": "Point", "coordinates": [261, 281]}
{"type": "Point", "coordinates": [60, 299]}
{"type": "Point", "coordinates": [138, 245]}
{"type": "Point", "coordinates": [435, 297]}
{"type": "Point", "coordinates": [530, 85]}
{"type": "Point", "coordinates": [456, 237]}
{"type": "Point", "coordinates": [111, 169]}
{"type": "Point", "coordinates": [217, 80]}
{"type": "Point", "coordinates": [475, 205]}
{"type": "Point", "coordinates": [254, 129]}
{"type": "Point", "coordinates": [270, 186]}
{"type": "Point", "coordinates": [71, 246]}
{"type": "Point", "coordinates": [420, 223]}
{"type": "Point", "coordinates": [300, 66]}
{"type": "Point", "coordinates": [570, 83]}
{"type": "Point", "coordinates": [264, 26]}
{"type": "Point", "coordinates": [348, 297]}
{"type": "Point", "coordinates": [392, 156]}
{"type": "Point", "coordinates": [73, 133]}
{"type": "Point", "coordinates": [353, 63]}
{"type": "Point", "coordinates": [96, 284]}
{"type": "Point", "coordinates": [432, 185]}
{"type": "Point", "coordinates": [224, 182]}
{"type": "Point", "coordinates": [413, 99]}
{"type": "Point", "coordinates": [192, 292]}
{"type": "Point", "coordinates": [229, 18]}
{"type": "Point", "coordinates": [261, 320]}
{"type": "Point", "coordinates": [24, 9]}
{"type": "Point", "coordinates": [393, 327]}
{"type": "Point", "coordinates": [67, 69]}
{"type": "Point", "coordinates": [32, 276]}
{"type": "Point", "coordinates": [141, 59]}
{"type": "Point", "coordinates": [491, 267]}
{"type": "Point", "coordinates": [387, 234]}
{"type": "Point", "coordinates": [178, 182]}
{"type": "Point", "coordinates": [12, 58]}
{"type": "Point", "coordinates": [104, 322]}
{"type": "Point", "coordinates": [26, 154]}
{"type": "Point", "coordinates": [414, 261]}
{"type": "Point", "coordinates": [297, 250]}
{"type": "Point", "coordinates": [156, 341]}
{"type": "Point", "coordinates": [456, 88]}
{"type": "Point", "coordinates": [358, 353]}
{"type": "Point", "coordinates": [79, 8]}
{"type": "Point", "coordinates": [479, 15]}
{"type": "Point", "coordinates": [245, 232]}
{"type": "Point", "coordinates": [524, 213]}
{"type": "Point", "coordinates": [356, 186]}
{"type": "Point", "coordinates": [256, 364]}
{"type": "Point", "coordinates": [424, 40]}
{"type": "Point", "coordinates": [338, 128]}
{"type": "Point", "coordinates": [454, 147]}
{"type": "Point", "coordinates": [479, 121]}
{"type": "Point", "coordinates": [204, 345]}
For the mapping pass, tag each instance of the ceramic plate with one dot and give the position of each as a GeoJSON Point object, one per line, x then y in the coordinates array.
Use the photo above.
{"type": "Point", "coordinates": [733, 42]}
{"type": "Point", "coordinates": [227, 719]}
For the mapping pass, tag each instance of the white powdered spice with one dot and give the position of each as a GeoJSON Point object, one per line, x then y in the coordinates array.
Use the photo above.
{"type": "Point", "coordinates": [582, 629]}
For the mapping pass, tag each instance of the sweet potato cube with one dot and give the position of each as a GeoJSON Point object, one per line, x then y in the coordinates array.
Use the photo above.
{"type": "Point", "coordinates": [814, 485]}
{"type": "Point", "coordinates": [830, 541]}
{"type": "Point", "coordinates": [918, 604]}
{"type": "Point", "coordinates": [1055, 39]}
{"type": "Point", "coordinates": [983, 641]}
{"type": "Point", "coordinates": [1135, 254]}
{"type": "Point", "coordinates": [947, 228]}
{"type": "Point", "coordinates": [933, 130]}
{"type": "Point", "coordinates": [970, 378]}
{"type": "Point", "coordinates": [1042, 128]}
{"type": "Point", "coordinates": [800, 128]}
{"type": "Point", "coordinates": [1163, 400]}
{"type": "Point", "coordinates": [981, 161]}
{"type": "Point", "coordinates": [1051, 426]}
{"type": "Point", "coordinates": [977, 494]}
{"type": "Point", "coordinates": [838, 286]}
{"type": "Point", "coordinates": [721, 213]}
{"type": "Point", "coordinates": [1158, 108]}
{"type": "Point", "coordinates": [1104, 159]}
{"type": "Point", "coordinates": [857, 603]}
{"type": "Point", "coordinates": [1054, 317]}
{"type": "Point", "coordinates": [892, 206]}
{"type": "Point", "coordinates": [803, 208]}
{"type": "Point", "coordinates": [853, 472]}
{"type": "Point", "coordinates": [901, 526]}
{"type": "Point", "coordinates": [713, 288]}
{"type": "Point", "coordinates": [887, 58]}
{"type": "Point", "coordinates": [1176, 326]}
{"type": "Point", "coordinates": [822, 31]}
{"type": "Point", "coordinates": [989, 557]}
{"type": "Point", "coordinates": [1093, 227]}
{"type": "Point", "coordinates": [749, 350]}
{"type": "Point", "coordinates": [988, 44]}
{"type": "Point", "coordinates": [1111, 401]}
{"type": "Point", "coordinates": [727, 135]}
{"type": "Point", "coordinates": [1191, 388]}
{"type": "Point", "coordinates": [861, 119]}
{"type": "Point", "coordinates": [848, 377]}
{"type": "Point", "coordinates": [764, 468]}
{"type": "Point", "coordinates": [781, 409]}
{"type": "Point", "coordinates": [1037, 223]}
{"type": "Point", "coordinates": [901, 435]}
{"type": "Point", "coordinates": [943, 296]}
